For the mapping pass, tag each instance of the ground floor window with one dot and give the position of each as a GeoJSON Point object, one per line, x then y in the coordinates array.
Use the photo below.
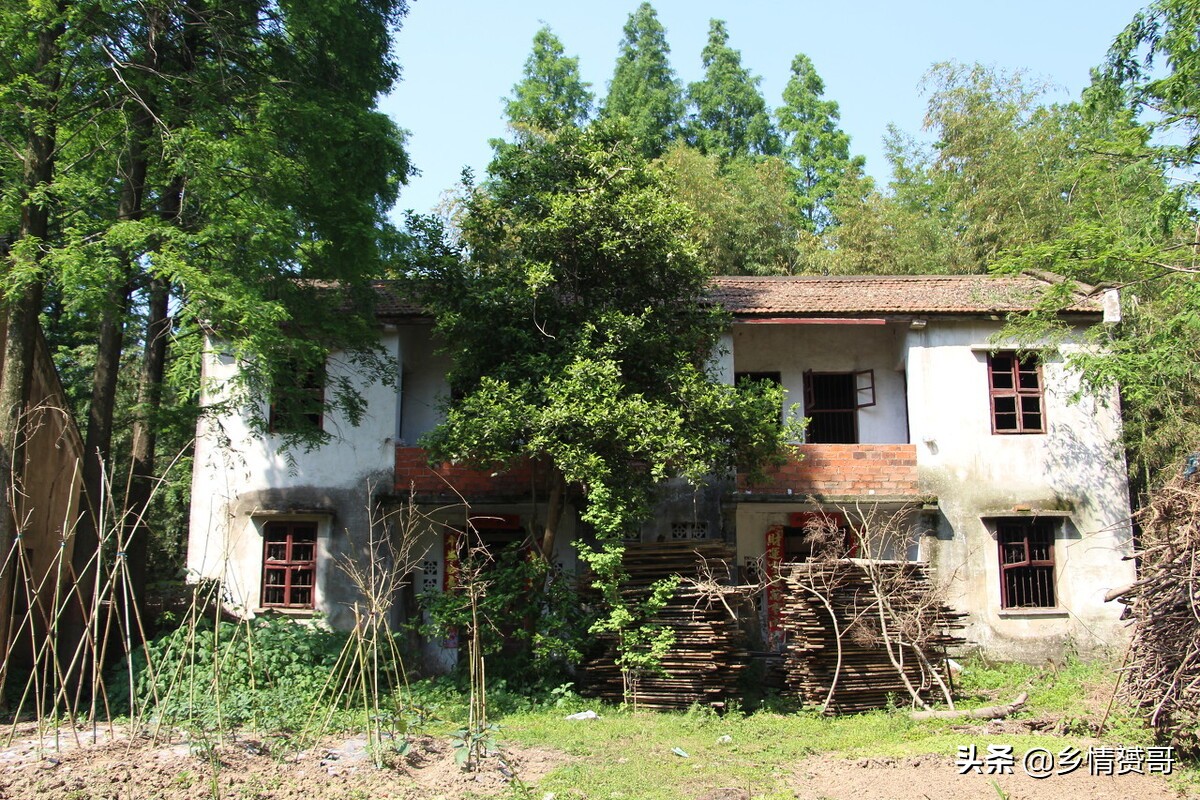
{"type": "Point", "coordinates": [289, 564]}
{"type": "Point", "coordinates": [1026, 563]}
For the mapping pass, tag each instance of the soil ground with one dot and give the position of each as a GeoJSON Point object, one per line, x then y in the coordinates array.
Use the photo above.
{"type": "Point", "coordinates": [119, 768]}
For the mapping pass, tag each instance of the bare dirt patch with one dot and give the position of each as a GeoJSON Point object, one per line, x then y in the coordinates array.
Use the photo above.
{"type": "Point", "coordinates": [937, 778]}
{"type": "Point", "coordinates": [120, 768]}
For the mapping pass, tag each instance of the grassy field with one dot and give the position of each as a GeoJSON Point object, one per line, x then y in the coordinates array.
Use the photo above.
{"type": "Point", "coordinates": [615, 755]}
{"type": "Point", "coordinates": [769, 753]}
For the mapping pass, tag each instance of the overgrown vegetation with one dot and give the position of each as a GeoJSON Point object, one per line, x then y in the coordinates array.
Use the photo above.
{"type": "Point", "coordinates": [537, 626]}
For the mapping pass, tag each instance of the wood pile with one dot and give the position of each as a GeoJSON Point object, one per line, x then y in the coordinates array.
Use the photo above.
{"type": "Point", "coordinates": [1163, 665]}
{"type": "Point", "coordinates": [846, 668]}
{"type": "Point", "coordinates": [708, 656]}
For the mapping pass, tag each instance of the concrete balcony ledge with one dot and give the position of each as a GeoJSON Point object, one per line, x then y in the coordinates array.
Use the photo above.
{"type": "Point", "coordinates": [877, 471]}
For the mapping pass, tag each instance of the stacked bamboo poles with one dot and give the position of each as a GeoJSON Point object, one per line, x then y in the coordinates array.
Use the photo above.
{"type": "Point", "coordinates": [864, 634]}
{"type": "Point", "coordinates": [708, 655]}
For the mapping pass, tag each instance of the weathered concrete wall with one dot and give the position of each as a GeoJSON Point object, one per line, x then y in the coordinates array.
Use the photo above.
{"type": "Point", "coordinates": [793, 349]}
{"type": "Point", "coordinates": [1076, 468]}
{"type": "Point", "coordinates": [929, 381]}
{"type": "Point", "coordinates": [683, 511]}
{"type": "Point", "coordinates": [240, 481]}
{"type": "Point", "coordinates": [423, 386]}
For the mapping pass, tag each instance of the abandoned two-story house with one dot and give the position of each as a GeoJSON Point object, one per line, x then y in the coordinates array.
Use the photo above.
{"type": "Point", "coordinates": [997, 467]}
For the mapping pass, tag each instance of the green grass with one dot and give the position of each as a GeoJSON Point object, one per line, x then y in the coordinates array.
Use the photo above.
{"type": "Point", "coordinates": [613, 756]}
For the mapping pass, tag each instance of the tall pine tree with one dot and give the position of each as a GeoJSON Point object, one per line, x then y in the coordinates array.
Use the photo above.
{"type": "Point", "coordinates": [729, 116]}
{"type": "Point", "coordinates": [813, 143]}
{"type": "Point", "coordinates": [644, 89]}
{"type": "Point", "coordinates": [551, 95]}
{"type": "Point", "coordinates": [196, 156]}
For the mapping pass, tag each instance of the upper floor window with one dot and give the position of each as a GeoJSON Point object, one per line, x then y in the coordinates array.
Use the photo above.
{"type": "Point", "coordinates": [831, 403]}
{"type": "Point", "coordinates": [1018, 398]}
{"type": "Point", "coordinates": [298, 400]}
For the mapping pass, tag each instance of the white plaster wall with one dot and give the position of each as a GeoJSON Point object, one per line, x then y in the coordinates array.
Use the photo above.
{"type": "Point", "coordinates": [722, 359]}
{"type": "Point", "coordinates": [1076, 467]}
{"type": "Point", "coordinates": [238, 477]}
{"type": "Point", "coordinates": [793, 349]}
{"type": "Point", "coordinates": [423, 382]}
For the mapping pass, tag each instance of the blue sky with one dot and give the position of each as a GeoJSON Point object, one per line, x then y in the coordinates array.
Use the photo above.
{"type": "Point", "coordinates": [461, 57]}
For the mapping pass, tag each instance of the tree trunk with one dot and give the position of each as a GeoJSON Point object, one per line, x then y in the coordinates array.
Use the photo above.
{"type": "Point", "coordinates": [98, 494]}
{"type": "Point", "coordinates": [21, 318]}
{"type": "Point", "coordinates": [142, 478]}
{"type": "Point", "coordinates": [554, 512]}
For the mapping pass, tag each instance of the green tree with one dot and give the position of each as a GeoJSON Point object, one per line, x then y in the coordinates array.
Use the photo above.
{"type": "Point", "coordinates": [551, 95]}
{"type": "Point", "coordinates": [220, 160]}
{"type": "Point", "coordinates": [1145, 238]}
{"type": "Point", "coordinates": [729, 116]}
{"type": "Point", "coordinates": [36, 40]}
{"type": "Point", "coordinates": [1155, 59]}
{"type": "Point", "coordinates": [644, 89]}
{"type": "Point", "coordinates": [813, 143]}
{"type": "Point", "coordinates": [1006, 173]}
{"type": "Point", "coordinates": [581, 340]}
{"type": "Point", "coordinates": [580, 336]}
{"type": "Point", "coordinates": [744, 218]}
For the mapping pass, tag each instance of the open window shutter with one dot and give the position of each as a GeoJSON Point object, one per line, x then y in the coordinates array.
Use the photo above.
{"type": "Point", "coordinates": [864, 387]}
{"type": "Point", "coordinates": [810, 399]}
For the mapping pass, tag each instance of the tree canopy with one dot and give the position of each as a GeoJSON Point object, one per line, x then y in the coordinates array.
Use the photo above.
{"type": "Point", "coordinates": [551, 93]}
{"type": "Point", "coordinates": [182, 165]}
{"type": "Point", "coordinates": [744, 218]}
{"type": "Point", "coordinates": [729, 116]}
{"type": "Point", "coordinates": [580, 334]}
{"type": "Point", "coordinates": [644, 89]}
{"type": "Point", "coordinates": [817, 148]}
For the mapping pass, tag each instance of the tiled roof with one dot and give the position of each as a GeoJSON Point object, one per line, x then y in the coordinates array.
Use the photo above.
{"type": "Point", "coordinates": [842, 295]}
{"type": "Point", "coordinates": [392, 303]}
{"type": "Point", "coordinates": [888, 294]}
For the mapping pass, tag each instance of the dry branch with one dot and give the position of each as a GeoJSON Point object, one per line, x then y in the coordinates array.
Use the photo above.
{"type": "Point", "coordinates": [1164, 660]}
{"type": "Point", "coordinates": [987, 712]}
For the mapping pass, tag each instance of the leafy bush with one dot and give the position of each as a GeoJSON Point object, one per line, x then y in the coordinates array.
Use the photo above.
{"type": "Point", "coordinates": [273, 671]}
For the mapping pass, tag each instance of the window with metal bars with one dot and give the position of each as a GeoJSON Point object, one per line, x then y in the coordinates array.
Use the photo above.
{"type": "Point", "coordinates": [1018, 399]}
{"type": "Point", "coordinates": [1026, 563]}
{"type": "Point", "coordinates": [289, 564]}
{"type": "Point", "coordinates": [831, 403]}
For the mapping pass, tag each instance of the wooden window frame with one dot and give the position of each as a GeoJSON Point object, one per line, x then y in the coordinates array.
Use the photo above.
{"type": "Point", "coordinates": [289, 566]}
{"type": "Point", "coordinates": [864, 396]}
{"type": "Point", "coordinates": [1024, 532]}
{"type": "Point", "coordinates": [1020, 365]}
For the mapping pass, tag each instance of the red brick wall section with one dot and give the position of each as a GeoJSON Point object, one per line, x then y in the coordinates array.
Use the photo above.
{"type": "Point", "coordinates": [843, 469]}
{"type": "Point", "coordinates": [414, 473]}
